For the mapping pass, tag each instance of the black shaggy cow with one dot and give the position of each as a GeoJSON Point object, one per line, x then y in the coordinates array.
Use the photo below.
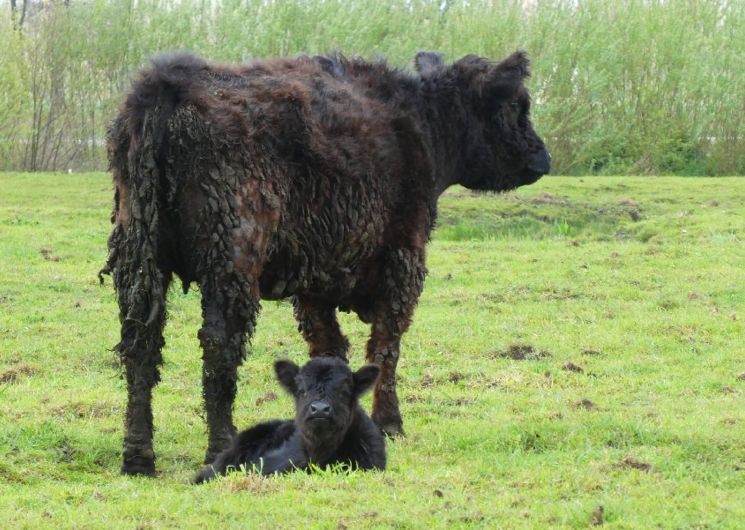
{"type": "Point", "coordinates": [313, 178]}
{"type": "Point", "coordinates": [329, 427]}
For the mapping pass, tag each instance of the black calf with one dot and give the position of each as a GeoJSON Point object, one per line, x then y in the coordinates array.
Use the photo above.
{"type": "Point", "coordinates": [329, 427]}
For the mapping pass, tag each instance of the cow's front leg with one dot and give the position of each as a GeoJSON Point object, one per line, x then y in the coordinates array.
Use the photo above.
{"type": "Point", "coordinates": [400, 286]}
{"type": "Point", "coordinates": [320, 328]}
{"type": "Point", "coordinates": [230, 305]}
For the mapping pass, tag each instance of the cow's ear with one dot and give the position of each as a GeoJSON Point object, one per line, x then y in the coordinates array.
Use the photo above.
{"type": "Point", "coordinates": [504, 78]}
{"type": "Point", "coordinates": [493, 81]}
{"type": "Point", "coordinates": [515, 67]}
{"type": "Point", "coordinates": [427, 62]}
{"type": "Point", "coordinates": [364, 378]}
{"type": "Point", "coordinates": [287, 375]}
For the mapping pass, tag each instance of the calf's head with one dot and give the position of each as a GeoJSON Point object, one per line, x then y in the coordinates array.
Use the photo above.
{"type": "Point", "coordinates": [326, 394]}
{"type": "Point", "coordinates": [499, 148]}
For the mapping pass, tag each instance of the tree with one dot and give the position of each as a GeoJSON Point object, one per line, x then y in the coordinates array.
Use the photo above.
{"type": "Point", "coordinates": [14, 12]}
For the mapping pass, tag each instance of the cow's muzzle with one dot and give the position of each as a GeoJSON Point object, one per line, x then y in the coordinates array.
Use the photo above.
{"type": "Point", "coordinates": [539, 163]}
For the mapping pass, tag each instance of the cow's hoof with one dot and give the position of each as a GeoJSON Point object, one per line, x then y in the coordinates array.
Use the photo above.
{"type": "Point", "coordinates": [393, 431]}
{"type": "Point", "coordinates": [392, 428]}
{"type": "Point", "coordinates": [138, 462]}
{"type": "Point", "coordinates": [218, 444]}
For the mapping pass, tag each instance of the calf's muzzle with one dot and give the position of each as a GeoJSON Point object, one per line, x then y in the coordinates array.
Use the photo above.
{"type": "Point", "coordinates": [319, 409]}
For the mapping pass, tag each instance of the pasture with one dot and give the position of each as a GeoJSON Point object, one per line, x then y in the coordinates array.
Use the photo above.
{"type": "Point", "coordinates": [579, 344]}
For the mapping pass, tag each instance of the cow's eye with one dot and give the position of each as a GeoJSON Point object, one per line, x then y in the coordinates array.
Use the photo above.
{"type": "Point", "coordinates": [515, 105]}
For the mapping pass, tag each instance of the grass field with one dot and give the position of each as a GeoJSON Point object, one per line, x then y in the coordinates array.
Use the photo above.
{"type": "Point", "coordinates": [579, 344]}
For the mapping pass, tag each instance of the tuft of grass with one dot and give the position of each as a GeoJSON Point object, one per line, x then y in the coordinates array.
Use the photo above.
{"type": "Point", "coordinates": [578, 345]}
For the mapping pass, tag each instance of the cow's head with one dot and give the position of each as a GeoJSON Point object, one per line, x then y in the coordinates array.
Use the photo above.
{"type": "Point", "coordinates": [326, 393]}
{"type": "Point", "coordinates": [499, 148]}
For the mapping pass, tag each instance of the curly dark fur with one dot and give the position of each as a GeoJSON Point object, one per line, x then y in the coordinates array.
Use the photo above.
{"type": "Point", "coordinates": [315, 178]}
{"type": "Point", "coordinates": [342, 435]}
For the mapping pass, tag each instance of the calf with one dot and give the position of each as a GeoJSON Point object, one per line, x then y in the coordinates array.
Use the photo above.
{"type": "Point", "coordinates": [329, 427]}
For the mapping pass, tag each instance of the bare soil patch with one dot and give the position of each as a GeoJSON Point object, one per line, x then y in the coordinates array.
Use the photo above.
{"type": "Point", "coordinates": [571, 367]}
{"type": "Point", "coordinates": [632, 463]}
{"type": "Point", "coordinates": [12, 375]}
{"type": "Point", "coordinates": [586, 404]}
{"type": "Point", "coordinates": [596, 518]}
{"type": "Point", "coordinates": [48, 254]}
{"type": "Point", "coordinates": [548, 198]}
{"type": "Point", "coordinates": [523, 352]}
{"type": "Point", "coordinates": [269, 396]}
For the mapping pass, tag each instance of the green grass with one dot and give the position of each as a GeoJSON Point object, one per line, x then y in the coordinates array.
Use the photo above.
{"type": "Point", "coordinates": [638, 281]}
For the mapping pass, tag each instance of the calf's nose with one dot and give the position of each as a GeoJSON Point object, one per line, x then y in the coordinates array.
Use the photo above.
{"type": "Point", "coordinates": [320, 409]}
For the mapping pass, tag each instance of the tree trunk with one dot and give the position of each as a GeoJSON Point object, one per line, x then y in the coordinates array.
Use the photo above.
{"type": "Point", "coordinates": [18, 22]}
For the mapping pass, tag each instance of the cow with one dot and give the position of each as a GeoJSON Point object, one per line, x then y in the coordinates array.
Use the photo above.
{"type": "Point", "coordinates": [329, 427]}
{"type": "Point", "coordinates": [311, 178]}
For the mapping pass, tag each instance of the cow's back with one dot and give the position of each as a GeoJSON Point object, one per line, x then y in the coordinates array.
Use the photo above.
{"type": "Point", "coordinates": [323, 145]}
{"type": "Point", "coordinates": [304, 163]}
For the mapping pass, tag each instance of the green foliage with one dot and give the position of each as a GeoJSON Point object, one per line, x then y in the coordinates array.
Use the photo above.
{"type": "Point", "coordinates": [640, 86]}
{"type": "Point", "coordinates": [637, 281]}
{"type": "Point", "coordinates": [12, 86]}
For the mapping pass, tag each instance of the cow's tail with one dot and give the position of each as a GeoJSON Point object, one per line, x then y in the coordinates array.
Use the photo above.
{"type": "Point", "coordinates": [143, 191]}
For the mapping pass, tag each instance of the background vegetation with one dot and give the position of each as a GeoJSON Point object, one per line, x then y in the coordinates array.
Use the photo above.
{"type": "Point", "coordinates": [578, 344]}
{"type": "Point", "coordinates": [622, 86]}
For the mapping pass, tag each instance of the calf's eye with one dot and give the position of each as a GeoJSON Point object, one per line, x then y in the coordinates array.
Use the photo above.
{"type": "Point", "coordinates": [515, 105]}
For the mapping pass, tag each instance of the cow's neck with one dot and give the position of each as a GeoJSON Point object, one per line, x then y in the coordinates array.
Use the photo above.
{"type": "Point", "coordinates": [444, 129]}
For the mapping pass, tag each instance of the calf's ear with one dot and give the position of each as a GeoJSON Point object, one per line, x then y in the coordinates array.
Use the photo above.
{"type": "Point", "coordinates": [286, 372]}
{"type": "Point", "coordinates": [364, 378]}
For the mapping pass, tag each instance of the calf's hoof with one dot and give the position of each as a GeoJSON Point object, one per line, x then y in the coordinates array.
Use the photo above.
{"type": "Point", "coordinates": [205, 475]}
{"type": "Point", "coordinates": [210, 456]}
{"type": "Point", "coordinates": [138, 462]}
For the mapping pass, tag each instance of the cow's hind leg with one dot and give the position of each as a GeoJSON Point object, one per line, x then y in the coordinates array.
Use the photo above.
{"type": "Point", "coordinates": [229, 309]}
{"type": "Point", "coordinates": [400, 287]}
{"type": "Point", "coordinates": [320, 328]}
{"type": "Point", "coordinates": [229, 275]}
{"type": "Point", "coordinates": [140, 351]}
